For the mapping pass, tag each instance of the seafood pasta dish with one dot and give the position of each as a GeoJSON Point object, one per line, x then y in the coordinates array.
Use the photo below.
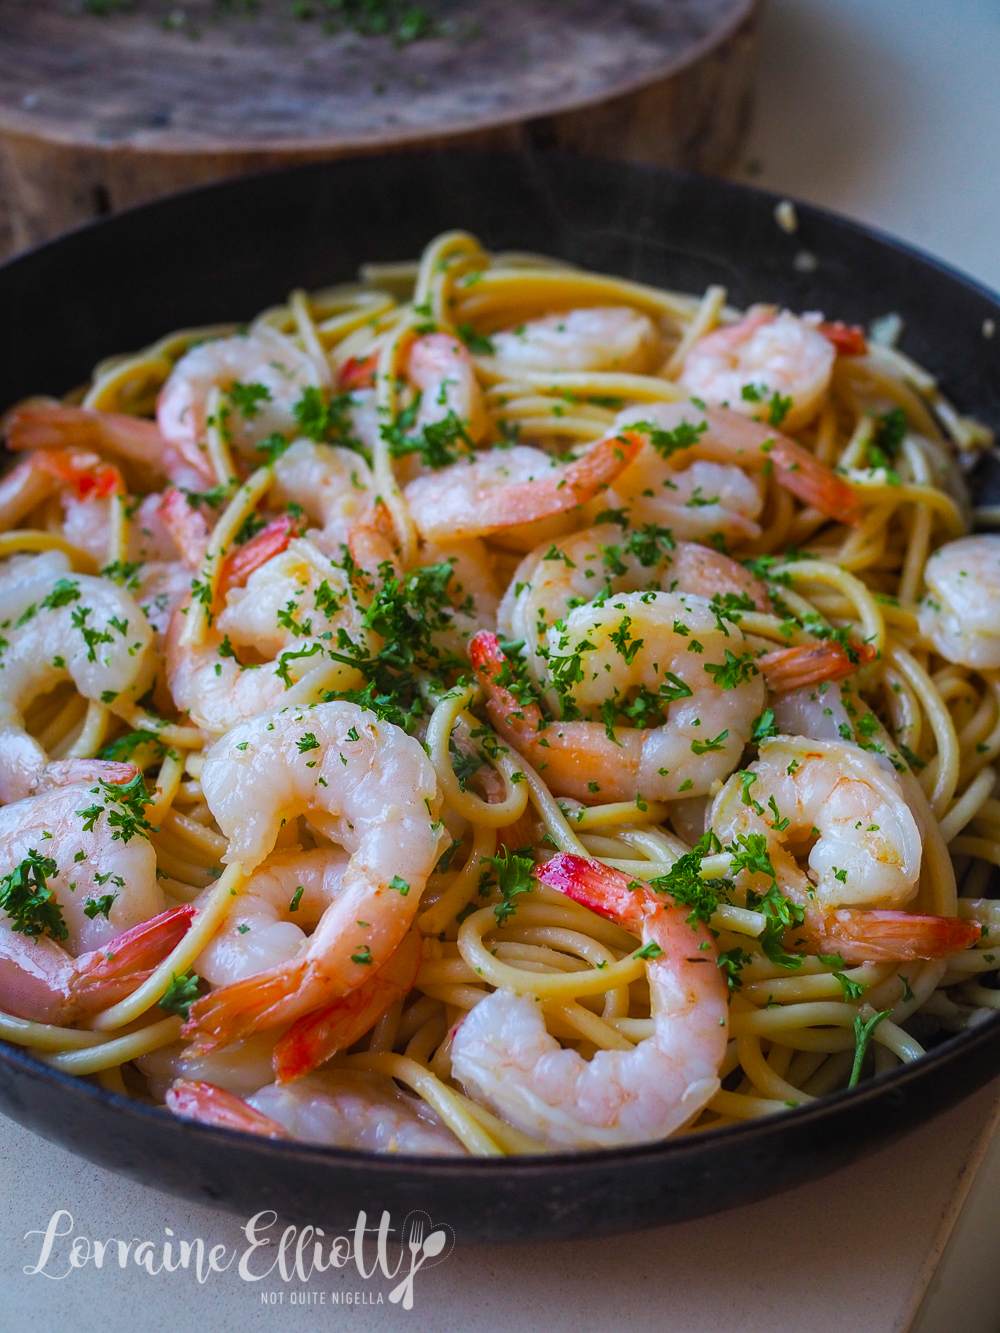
{"type": "Point", "coordinates": [496, 708]}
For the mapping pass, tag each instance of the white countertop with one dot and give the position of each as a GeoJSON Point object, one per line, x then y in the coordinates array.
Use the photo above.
{"type": "Point", "coordinates": [889, 112]}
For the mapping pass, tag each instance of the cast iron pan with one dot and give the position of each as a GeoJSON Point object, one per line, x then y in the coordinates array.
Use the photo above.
{"type": "Point", "coordinates": [228, 251]}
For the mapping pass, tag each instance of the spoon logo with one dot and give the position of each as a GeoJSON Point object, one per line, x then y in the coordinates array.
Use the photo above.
{"type": "Point", "coordinates": [428, 1244]}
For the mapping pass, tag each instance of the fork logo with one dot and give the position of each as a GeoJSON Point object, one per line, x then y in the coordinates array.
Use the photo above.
{"type": "Point", "coordinates": [428, 1244]}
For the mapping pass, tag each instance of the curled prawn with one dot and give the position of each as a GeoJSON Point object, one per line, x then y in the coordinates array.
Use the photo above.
{"type": "Point", "coordinates": [364, 784]}
{"type": "Point", "coordinates": [592, 338]}
{"type": "Point", "coordinates": [959, 612]}
{"type": "Point", "coordinates": [504, 1056]}
{"type": "Point", "coordinates": [62, 626]}
{"type": "Point", "coordinates": [766, 353]}
{"type": "Point", "coordinates": [699, 719]}
{"type": "Point", "coordinates": [832, 805]}
{"type": "Point", "coordinates": [612, 558]}
{"type": "Point", "coordinates": [282, 600]}
{"type": "Point", "coordinates": [332, 484]}
{"type": "Point", "coordinates": [104, 926]}
{"type": "Point", "coordinates": [269, 361]}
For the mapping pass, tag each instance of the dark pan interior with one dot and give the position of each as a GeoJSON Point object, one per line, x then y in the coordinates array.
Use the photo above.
{"type": "Point", "coordinates": [227, 251]}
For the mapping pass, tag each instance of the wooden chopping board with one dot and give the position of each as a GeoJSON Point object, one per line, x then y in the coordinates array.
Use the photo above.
{"type": "Point", "coordinates": [101, 110]}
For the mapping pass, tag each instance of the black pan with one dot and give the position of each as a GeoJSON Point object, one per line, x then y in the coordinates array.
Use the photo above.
{"type": "Point", "coordinates": [227, 251]}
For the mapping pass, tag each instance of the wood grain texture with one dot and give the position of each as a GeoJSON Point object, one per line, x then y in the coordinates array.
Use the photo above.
{"type": "Point", "coordinates": [97, 113]}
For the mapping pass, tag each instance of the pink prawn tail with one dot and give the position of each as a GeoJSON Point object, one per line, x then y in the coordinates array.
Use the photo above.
{"type": "Point", "coordinates": [605, 891]}
{"type": "Point", "coordinates": [119, 967]}
{"type": "Point", "coordinates": [358, 374]}
{"type": "Point", "coordinates": [595, 470]}
{"type": "Point", "coordinates": [794, 668]}
{"type": "Point", "coordinates": [488, 660]}
{"type": "Point", "coordinates": [883, 936]}
{"type": "Point", "coordinates": [315, 1037]}
{"type": "Point", "coordinates": [192, 1099]}
{"type": "Point", "coordinates": [254, 1004]}
{"type": "Point", "coordinates": [241, 562]}
{"type": "Point", "coordinates": [812, 482]}
{"type": "Point", "coordinates": [370, 542]}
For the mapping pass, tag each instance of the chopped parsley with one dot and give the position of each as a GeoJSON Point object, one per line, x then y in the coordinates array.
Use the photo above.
{"type": "Point", "coordinates": [733, 672]}
{"type": "Point", "coordinates": [99, 906]}
{"type": "Point", "coordinates": [477, 343]}
{"type": "Point", "coordinates": [514, 875]}
{"type": "Point", "coordinates": [181, 994]}
{"type": "Point", "coordinates": [125, 808]}
{"type": "Point", "coordinates": [28, 902]}
{"type": "Point", "coordinates": [862, 1036]}
{"type": "Point", "coordinates": [667, 442]}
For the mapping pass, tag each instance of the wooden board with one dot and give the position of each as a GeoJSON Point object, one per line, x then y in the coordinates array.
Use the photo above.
{"type": "Point", "coordinates": [97, 112]}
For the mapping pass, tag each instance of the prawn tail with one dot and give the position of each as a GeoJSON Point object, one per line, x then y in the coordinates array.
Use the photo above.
{"type": "Point", "coordinates": [370, 543]}
{"type": "Point", "coordinates": [605, 891]}
{"type": "Point", "coordinates": [358, 373]}
{"type": "Point", "coordinates": [108, 974]}
{"type": "Point", "coordinates": [315, 1037]}
{"type": "Point", "coordinates": [568, 488]}
{"type": "Point", "coordinates": [598, 468]}
{"type": "Point", "coordinates": [269, 542]}
{"type": "Point", "coordinates": [85, 473]}
{"type": "Point", "coordinates": [812, 482]}
{"type": "Point", "coordinates": [809, 664]}
{"type": "Point", "coordinates": [883, 936]}
{"type": "Point", "coordinates": [254, 1004]}
{"type": "Point", "coordinates": [192, 1099]}
{"type": "Point", "coordinates": [847, 339]}
{"type": "Point", "coordinates": [507, 712]}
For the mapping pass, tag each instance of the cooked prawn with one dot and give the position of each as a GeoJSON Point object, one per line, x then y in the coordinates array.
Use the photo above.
{"type": "Point", "coordinates": [132, 439]}
{"type": "Point", "coordinates": [633, 652]}
{"type": "Point", "coordinates": [505, 488]}
{"type": "Point", "coordinates": [339, 1109]}
{"type": "Point", "coordinates": [332, 484]}
{"type": "Point", "coordinates": [832, 804]}
{"type": "Point", "coordinates": [264, 359]}
{"type": "Point", "coordinates": [959, 612]}
{"type": "Point", "coordinates": [281, 613]}
{"type": "Point", "coordinates": [440, 369]}
{"type": "Point", "coordinates": [503, 1054]}
{"type": "Point", "coordinates": [283, 899]}
{"type": "Point", "coordinates": [370, 788]}
{"type": "Point", "coordinates": [194, 1099]}
{"type": "Point", "coordinates": [62, 626]}
{"type": "Point", "coordinates": [593, 338]}
{"type": "Point", "coordinates": [765, 354]}
{"type": "Point", "coordinates": [97, 890]}
{"type": "Point", "coordinates": [679, 434]}
{"type": "Point", "coordinates": [612, 558]}
{"type": "Point", "coordinates": [314, 1038]}
{"type": "Point", "coordinates": [83, 482]}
